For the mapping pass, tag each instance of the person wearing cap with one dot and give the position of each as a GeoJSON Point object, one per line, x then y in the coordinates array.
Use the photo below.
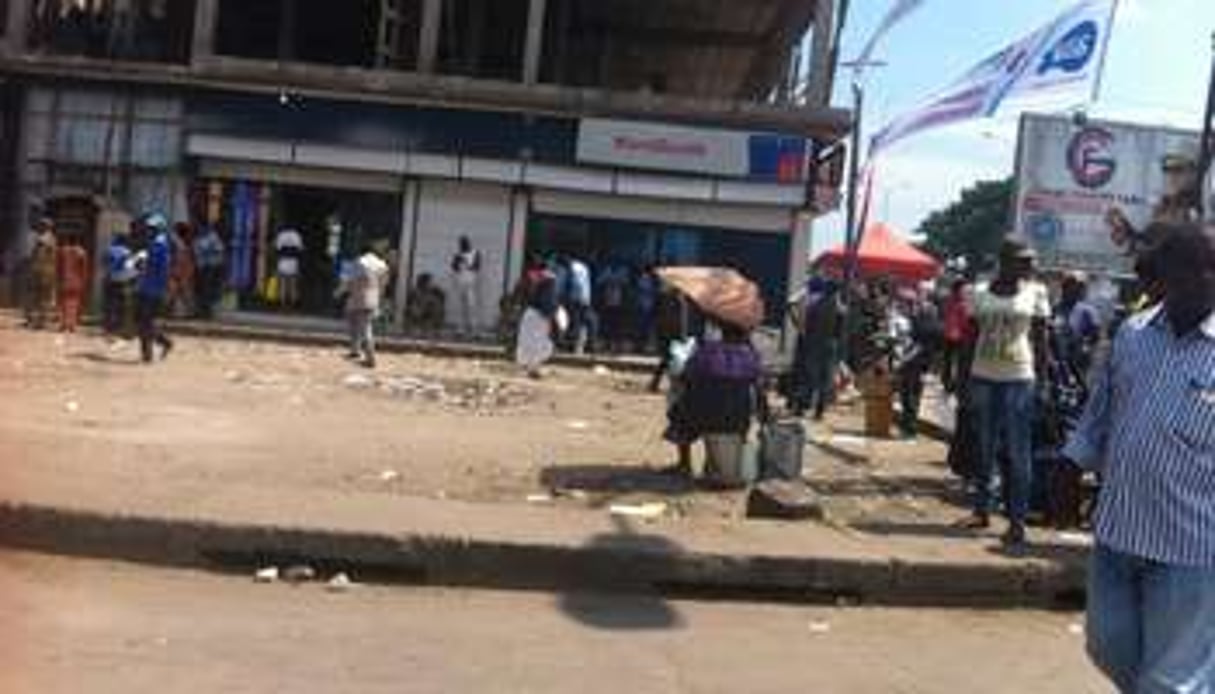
{"type": "Point", "coordinates": [1011, 313]}
{"type": "Point", "coordinates": [152, 288]}
{"type": "Point", "coordinates": [119, 272]}
{"type": "Point", "coordinates": [40, 290]}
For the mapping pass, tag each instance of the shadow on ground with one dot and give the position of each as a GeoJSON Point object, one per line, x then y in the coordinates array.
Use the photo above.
{"type": "Point", "coordinates": [613, 480]}
{"type": "Point", "coordinates": [625, 599]}
{"type": "Point", "coordinates": [106, 357]}
{"type": "Point", "coordinates": [920, 486]}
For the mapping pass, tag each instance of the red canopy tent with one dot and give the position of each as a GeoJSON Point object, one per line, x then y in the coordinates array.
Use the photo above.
{"type": "Point", "coordinates": [881, 253]}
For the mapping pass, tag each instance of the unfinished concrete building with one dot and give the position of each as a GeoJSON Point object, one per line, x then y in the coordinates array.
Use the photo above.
{"type": "Point", "coordinates": [624, 132]}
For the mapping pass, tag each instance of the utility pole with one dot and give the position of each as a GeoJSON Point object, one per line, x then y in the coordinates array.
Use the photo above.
{"type": "Point", "coordinates": [852, 234]}
{"type": "Point", "coordinates": [1205, 153]}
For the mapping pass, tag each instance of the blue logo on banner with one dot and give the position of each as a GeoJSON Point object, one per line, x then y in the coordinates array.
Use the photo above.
{"type": "Point", "coordinates": [1073, 52]}
{"type": "Point", "coordinates": [1044, 229]}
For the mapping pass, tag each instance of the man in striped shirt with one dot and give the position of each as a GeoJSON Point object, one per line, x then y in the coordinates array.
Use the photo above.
{"type": "Point", "coordinates": [1149, 430]}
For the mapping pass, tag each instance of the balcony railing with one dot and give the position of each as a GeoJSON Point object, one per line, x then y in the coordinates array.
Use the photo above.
{"type": "Point", "coordinates": [137, 30]}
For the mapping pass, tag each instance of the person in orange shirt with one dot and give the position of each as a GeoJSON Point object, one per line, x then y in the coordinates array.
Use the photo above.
{"type": "Point", "coordinates": [73, 278]}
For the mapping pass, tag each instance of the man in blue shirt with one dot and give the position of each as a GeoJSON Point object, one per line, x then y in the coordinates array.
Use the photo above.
{"type": "Point", "coordinates": [1149, 430]}
{"type": "Point", "coordinates": [153, 285]}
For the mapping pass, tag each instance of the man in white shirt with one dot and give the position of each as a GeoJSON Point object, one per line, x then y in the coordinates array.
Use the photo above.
{"type": "Point", "coordinates": [364, 290]}
{"type": "Point", "coordinates": [289, 247]}
{"type": "Point", "coordinates": [466, 271]}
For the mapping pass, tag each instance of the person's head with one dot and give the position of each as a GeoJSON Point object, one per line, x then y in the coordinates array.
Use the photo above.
{"type": "Point", "coordinates": [183, 230]}
{"type": "Point", "coordinates": [733, 333]}
{"type": "Point", "coordinates": [1016, 260]}
{"type": "Point", "coordinates": [1073, 289]}
{"type": "Point", "coordinates": [958, 287]}
{"type": "Point", "coordinates": [44, 225]}
{"type": "Point", "coordinates": [425, 280]}
{"type": "Point", "coordinates": [1186, 262]}
{"type": "Point", "coordinates": [154, 223]}
{"type": "Point", "coordinates": [465, 245]}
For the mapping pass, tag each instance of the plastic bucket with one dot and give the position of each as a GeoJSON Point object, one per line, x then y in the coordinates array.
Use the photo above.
{"type": "Point", "coordinates": [728, 460]}
{"type": "Point", "coordinates": [783, 449]}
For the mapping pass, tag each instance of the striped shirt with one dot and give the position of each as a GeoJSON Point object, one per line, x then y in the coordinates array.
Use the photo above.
{"type": "Point", "coordinates": [1149, 430]}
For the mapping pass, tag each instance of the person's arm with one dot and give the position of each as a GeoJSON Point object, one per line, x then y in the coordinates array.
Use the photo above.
{"type": "Point", "coordinates": [1086, 445]}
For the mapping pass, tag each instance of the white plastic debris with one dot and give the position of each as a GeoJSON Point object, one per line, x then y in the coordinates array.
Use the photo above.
{"type": "Point", "coordinates": [358, 381]}
{"type": "Point", "coordinates": [1074, 539]}
{"type": "Point", "coordinates": [601, 370]}
{"type": "Point", "coordinates": [266, 575]}
{"type": "Point", "coordinates": [72, 406]}
{"type": "Point", "coordinates": [299, 573]}
{"type": "Point", "coordinates": [539, 498]}
{"type": "Point", "coordinates": [577, 425]}
{"type": "Point", "coordinates": [1075, 628]}
{"type": "Point", "coordinates": [646, 511]}
{"type": "Point", "coordinates": [820, 627]}
{"type": "Point", "coordinates": [389, 476]}
{"type": "Point", "coordinates": [340, 582]}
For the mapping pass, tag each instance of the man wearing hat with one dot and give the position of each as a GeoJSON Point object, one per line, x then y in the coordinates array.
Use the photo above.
{"type": "Point", "coordinates": [1010, 354]}
{"type": "Point", "coordinates": [153, 286]}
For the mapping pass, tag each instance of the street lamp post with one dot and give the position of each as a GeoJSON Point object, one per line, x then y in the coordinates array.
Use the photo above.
{"type": "Point", "coordinates": [1205, 153]}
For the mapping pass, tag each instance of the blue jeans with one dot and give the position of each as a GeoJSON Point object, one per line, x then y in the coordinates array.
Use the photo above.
{"type": "Point", "coordinates": [1003, 412]}
{"type": "Point", "coordinates": [1151, 626]}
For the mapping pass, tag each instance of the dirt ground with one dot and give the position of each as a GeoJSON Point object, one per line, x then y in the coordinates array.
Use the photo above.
{"type": "Point", "coordinates": [221, 411]}
{"type": "Point", "coordinates": [110, 628]}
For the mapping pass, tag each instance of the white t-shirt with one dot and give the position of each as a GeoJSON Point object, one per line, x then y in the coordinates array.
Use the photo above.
{"type": "Point", "coordinates": [1004, 351]}
{"type": "Point", "coordinates": [366, 284]}
{"type": "Point", "coordinates": [290, 246]}
{"type": "Point", "coordinates": [466, 266]}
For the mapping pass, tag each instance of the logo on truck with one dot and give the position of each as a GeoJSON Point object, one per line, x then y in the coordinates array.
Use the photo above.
{"type": "Point", "coordinates": [1090, 157]}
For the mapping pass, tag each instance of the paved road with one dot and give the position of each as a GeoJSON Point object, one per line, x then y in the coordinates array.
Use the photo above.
{"type": "Point", "coordinates": [84, 626]}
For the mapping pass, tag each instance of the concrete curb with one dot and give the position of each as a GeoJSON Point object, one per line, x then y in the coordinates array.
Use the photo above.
{"type": "Point", "coordinates": [622, 562]}
{"type": "Point", "coordinates": [388, 344]}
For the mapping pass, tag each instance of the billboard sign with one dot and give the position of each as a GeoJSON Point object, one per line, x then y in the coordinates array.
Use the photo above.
{"type": "Point", "coordinates": [1075, 177]}
{"type": "Point", "coordinates": [704, 151]}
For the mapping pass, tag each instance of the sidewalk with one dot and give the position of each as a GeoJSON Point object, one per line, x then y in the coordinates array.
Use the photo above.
{"type": "Point", "coordinates": [305, 330]}
{"type": "Point", "coordinates": [456, 471]}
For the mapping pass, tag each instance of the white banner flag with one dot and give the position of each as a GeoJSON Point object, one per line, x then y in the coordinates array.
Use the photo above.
{"type": "Point", "coordinates": [1062, 59]}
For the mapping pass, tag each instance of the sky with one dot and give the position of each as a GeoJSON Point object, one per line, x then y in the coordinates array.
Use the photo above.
{"type": "Point", "coordinates": [1156, 72]}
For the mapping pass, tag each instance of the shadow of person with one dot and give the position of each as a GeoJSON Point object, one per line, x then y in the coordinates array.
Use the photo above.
{"type": "Point", "coordinates": [105, 357]}
{"type": "Point", "coordinates": [622, 595]}
{"type": "Point", "coordinates": [613, 480]}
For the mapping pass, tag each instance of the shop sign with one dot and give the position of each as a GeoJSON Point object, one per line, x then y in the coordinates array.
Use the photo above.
{"type": "Point", "coordinates": [705, 151]}
{"type": "Point", "coordinates": [1072, 175]}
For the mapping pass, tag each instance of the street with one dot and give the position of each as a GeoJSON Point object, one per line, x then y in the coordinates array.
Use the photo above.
{"type": "Point", "coordinates": [98, 627]}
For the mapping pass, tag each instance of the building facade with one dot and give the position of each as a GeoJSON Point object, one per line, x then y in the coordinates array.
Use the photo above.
{"type": "Point", "coordinates": [622, 132]}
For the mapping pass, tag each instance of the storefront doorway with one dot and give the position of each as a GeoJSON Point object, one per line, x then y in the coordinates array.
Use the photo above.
{"type": "Point", "coordinates": [762, 256]}
{"type": "Point", "coordinates": [334, 225]}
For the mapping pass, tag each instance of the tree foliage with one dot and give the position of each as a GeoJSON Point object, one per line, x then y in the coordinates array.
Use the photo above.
{"type": "Point", "coordinates": [972, 226]}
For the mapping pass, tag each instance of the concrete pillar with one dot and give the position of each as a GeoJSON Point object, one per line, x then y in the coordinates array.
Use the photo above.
{"type": "Point", "coordinates": [428, 36]}
{"type": "Point", "coordinates": [802, 225]}
{"type": "Point", "coordinates": [16, 26]}
{"type": "Point", "coordinates": [520, 208]}
{"type": "Point", "coordinates": [533, 50]}
{"type": "Point", "coordinates": [819, 92]}
{"type": "Point", "coordinates": [206, 19]}
{"type": "Point", "coordinates": [406, 244]}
